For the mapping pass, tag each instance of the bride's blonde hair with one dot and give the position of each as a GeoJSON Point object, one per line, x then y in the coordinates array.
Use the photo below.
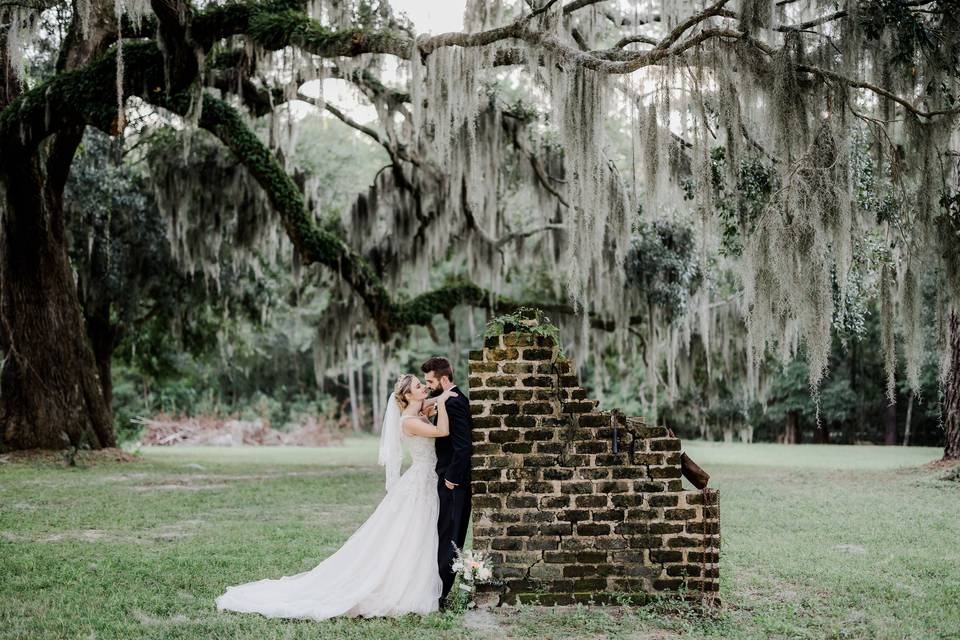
{"type": "Point", "coordinates": [402, 388]}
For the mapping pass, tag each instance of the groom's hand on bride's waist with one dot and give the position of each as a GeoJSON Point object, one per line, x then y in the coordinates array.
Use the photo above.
{"type": "Point", "coordinates": [450, 485]}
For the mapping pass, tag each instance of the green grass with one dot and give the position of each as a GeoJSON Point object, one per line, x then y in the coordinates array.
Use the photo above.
{"type": "Point", "coordinates": [818, 542]}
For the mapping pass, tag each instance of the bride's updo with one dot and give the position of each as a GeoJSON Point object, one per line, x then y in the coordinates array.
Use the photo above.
{"type": "Point", "coordinates": [402, 388]}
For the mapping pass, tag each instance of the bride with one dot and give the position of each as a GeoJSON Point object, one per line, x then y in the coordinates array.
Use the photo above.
{"type": "Point", "coordinates": [388, 567]}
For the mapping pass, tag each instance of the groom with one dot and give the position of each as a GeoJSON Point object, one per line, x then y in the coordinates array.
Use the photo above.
{"type": "Point", "coordinates": [453, 469]}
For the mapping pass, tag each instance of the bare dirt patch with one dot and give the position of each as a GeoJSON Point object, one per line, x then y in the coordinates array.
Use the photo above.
{"type": "Point", "coordinates": [59, 458]}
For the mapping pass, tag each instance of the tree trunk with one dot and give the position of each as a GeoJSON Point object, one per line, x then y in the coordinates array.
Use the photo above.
{"type": "Point", "coordinates": [103, 340]}
{"type": "Point", "coordinates": [52, 395]}
{"type": "Point", "coordinates": [890, 419]}
{"type": "Point", "coordinates": [790, 434]}
{"type": "Point", "coordinates": [352, 386]}
{"type": "Point", "coordinates": [951, 422]}
{"type": "Point", "coordinates": [907, 424]}
{"type": "Point", "coordinates": [51, 387]}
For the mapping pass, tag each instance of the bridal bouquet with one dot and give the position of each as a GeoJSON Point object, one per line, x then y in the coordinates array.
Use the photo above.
{"type": "Point", "coordinates": [471, 567]}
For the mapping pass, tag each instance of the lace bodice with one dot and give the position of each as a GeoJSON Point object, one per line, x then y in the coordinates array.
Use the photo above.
{"type": "Point", "coordinates": [422, 450]}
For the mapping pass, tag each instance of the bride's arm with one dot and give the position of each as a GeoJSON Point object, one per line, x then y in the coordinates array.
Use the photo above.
{"type": "Point", "coordinates": [414, 426]}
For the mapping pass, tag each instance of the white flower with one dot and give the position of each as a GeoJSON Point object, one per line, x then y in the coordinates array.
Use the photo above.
{"type": "Point", "coordinates": [483, 573]}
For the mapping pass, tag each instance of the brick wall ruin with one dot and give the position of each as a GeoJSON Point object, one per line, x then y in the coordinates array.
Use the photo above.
{"type": "Point", "coordinates": [573, 504]}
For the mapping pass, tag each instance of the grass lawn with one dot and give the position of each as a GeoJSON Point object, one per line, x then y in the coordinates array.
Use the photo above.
{"type": "Point", "coordinates": [819, 541]}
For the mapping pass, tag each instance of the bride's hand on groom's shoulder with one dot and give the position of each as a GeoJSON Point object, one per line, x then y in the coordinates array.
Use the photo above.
{"type": "Point", "coordinates": [446, 395]}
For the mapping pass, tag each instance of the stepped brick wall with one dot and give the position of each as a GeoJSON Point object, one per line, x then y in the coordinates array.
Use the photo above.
{"type": "Point", "coordinates": [564, 513]}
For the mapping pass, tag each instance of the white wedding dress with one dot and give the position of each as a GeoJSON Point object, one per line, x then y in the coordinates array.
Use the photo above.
{"type": "Point", "coordinates": [388, 567]}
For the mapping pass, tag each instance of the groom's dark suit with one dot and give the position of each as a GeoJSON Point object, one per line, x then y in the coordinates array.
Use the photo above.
{"type": "Point", "coordinates": [453, 464]}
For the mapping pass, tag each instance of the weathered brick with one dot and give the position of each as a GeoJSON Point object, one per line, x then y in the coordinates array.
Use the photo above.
{"type": "Point", "coordinates": [627, 500]}
{"type": "Point", "coordinates": [537, 408]}
{"type": "Point", "coordinates": [610, 543]}
{"type": "Point", "coordinates": [608, 515]}
{"type": "Point", "coordinates": [576, 487]}
{"type": "Point", "coordinates": [517, 395]}
{"type": "Point", "coordinates": [649, 458]}
{"type": "Point", "coordinates": [556, 529]}
{"type": "Point", "coordinates": [663, 555]}
{"type": "Point", "coordinates": [504, 435]}
{"type": "Point", "coordinates": [516, 368]}
{"type": "Point", "coordinates": [540, 461]}
{"type": "Point", "coordinates": [537, 354]}
{"type": "Point", "coordinates": [682, 542]}
{"type": "Point", "coordinates": [629, 472]}
{"type": "Point", "coordinates": [475, 355]}
{"type": "Point", "coordinates": [484, 449]}
{"type": "Point", "coordinates": [573, 515]}
{"type": "Point", "coordinates": [554, 502]}
{"type": "Point", "coordinates": [592, 447]}
{"type": "Point", "coordinates": [665, 444]}
{"type": "Point", "coordinates": [484, 367]}
{"type": "Point", "coordinates": [521, 502]}
{"type": "Point", "coordinates": [559, 557]}
{"type": "Point", "coordinates": [557, 474]}
{"type": "Point", "coordinates": [521, 530]}
{"type": "Point", "coordinates": [506, 544]}
{"type": "Point", "coordinates": [667, 584]}
{"type": "Point", "coordinates": [474, 382]}
{"type": "Point", "coordinates": [593, 473]}
{"type": "Point", "coordinates": [573, 460]}
{"type": "Point", "coordinates": [591, 501]}
{"type": "Point", "coordinates": [541, 487]}
{"type": "Point", "coordinates": [631, 528]}
{"type": "Point", "coordinates": [538, 435]}
{"type": "Point", "coordinates": [666, 500]}
{"type": "Point", "coordinates": [646, 542]}
{"type": "Point", "coordinates": [664, 472]}
{"type": "Point", "coordinates": [493, 342]}
{"type": "Point", "coordinates": [580, 406]}
{"type": "Point", "coordinates": [648, 487]}
{"type": "Point", "coordinates": [645, 433]}
{"type": "Point", "coordinates": [487, 422]}
{"type": "Point", "coordinates": [553, 448]}
{"type": "Point", "coordinates": [592, 529]}
{"type": "Point", "coordinates": [499, 355]}
{"type": "Point", "coordinates": [665, 527]}
{"type": "Point", "coordinates": [539, 517]}
{"type": "Point", "coordinates": [683, 570]}
{"type": "Point", "coordinates": [589, 585]}
{"type": "Point", "coordinates": [505, 516]}
{"type": "Point", "coordinates": [594, 419]}
{"type": "Point", "coordinates": [541, 543]}
{"type": "Point", "coordinates": [504, 409]}
{"type": "Point", "coordinates": [587, 504]}
{"type": "Point", "coordinates": [520, 421]}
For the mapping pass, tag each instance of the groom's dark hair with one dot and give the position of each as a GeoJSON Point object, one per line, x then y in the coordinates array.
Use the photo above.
{"type": "Point", "coordinates": [440, 367]}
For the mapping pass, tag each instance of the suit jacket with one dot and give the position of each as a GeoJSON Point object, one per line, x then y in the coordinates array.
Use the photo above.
{"type": "Point", "coordinates": [454, 451]}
